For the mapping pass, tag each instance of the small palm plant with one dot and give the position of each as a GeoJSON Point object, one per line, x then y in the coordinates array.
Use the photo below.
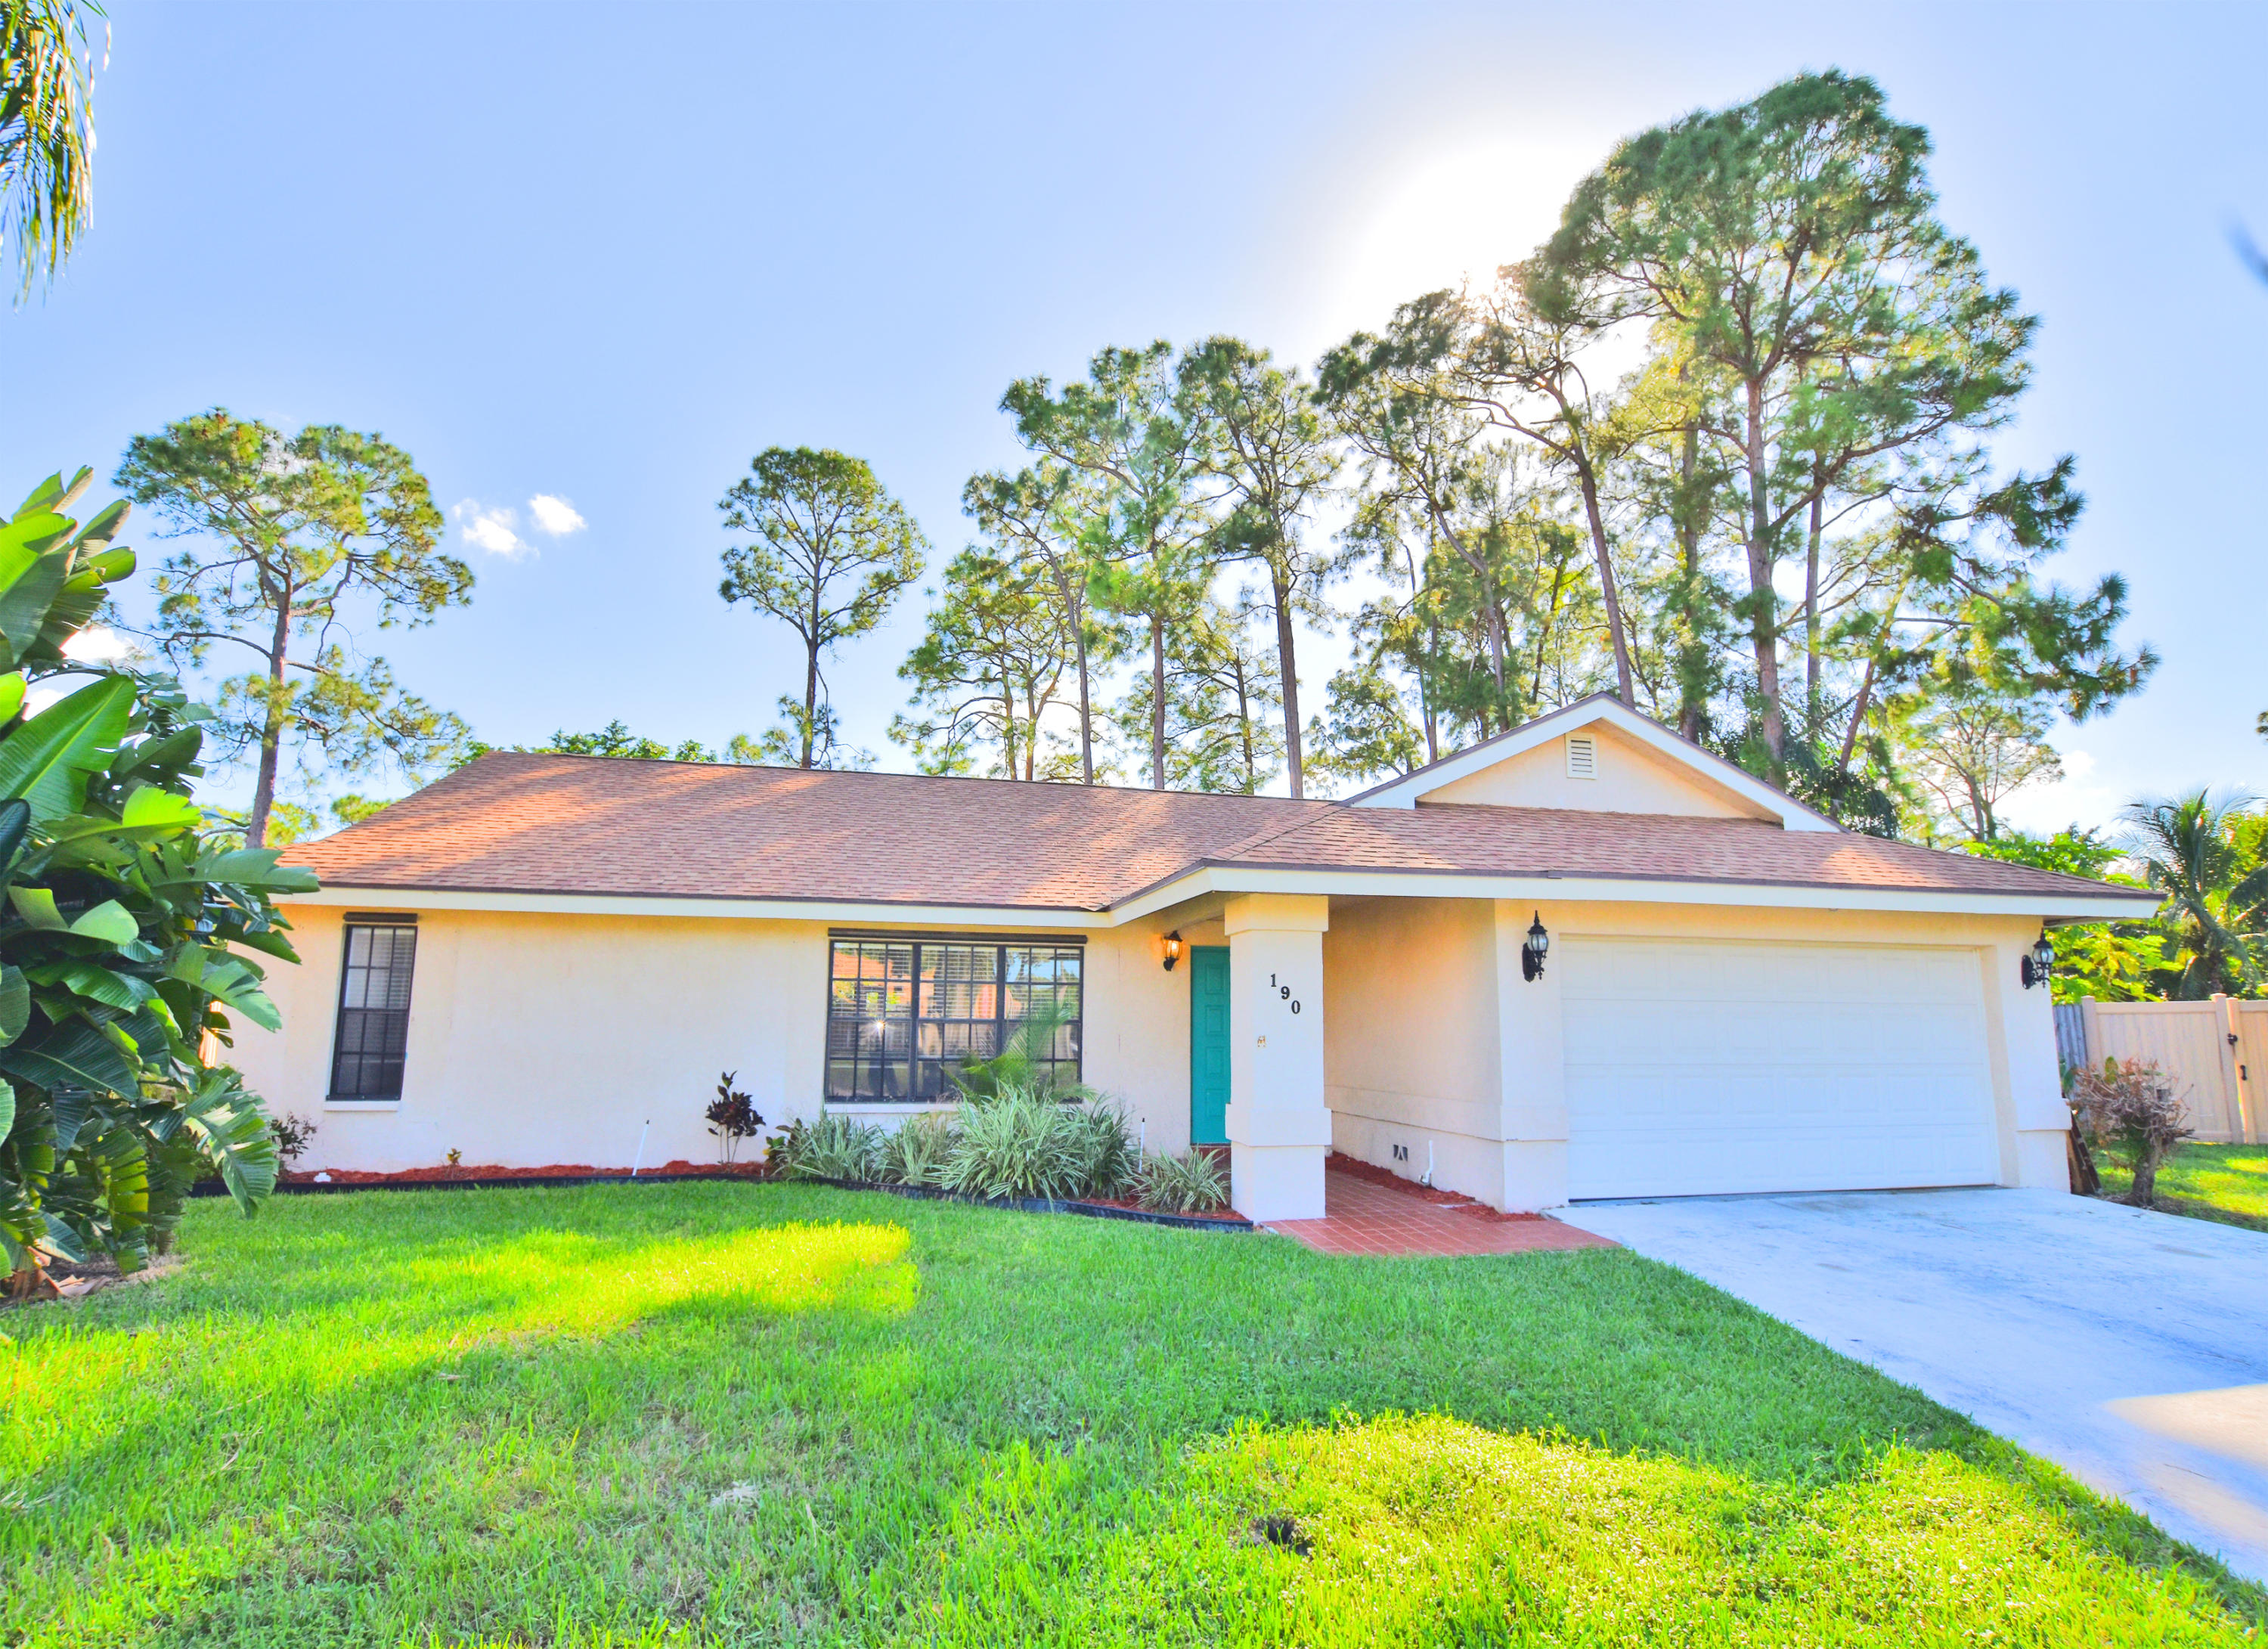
{"type": "Point", "coordinates": [2132, 1109]}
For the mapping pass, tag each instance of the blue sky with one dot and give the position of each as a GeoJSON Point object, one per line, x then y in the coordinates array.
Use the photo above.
{"type": "Point", "coordinates": [605, 254]}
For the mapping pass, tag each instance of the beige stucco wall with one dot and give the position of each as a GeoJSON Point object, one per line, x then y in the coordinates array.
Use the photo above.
{"type": "Point", "coordinates": [1434, 1036]}
{"type": "Point", "coordinates": [541, 1039]}
{"type": "Point", "coordinates": [1412, 1054]}
{"type": "Point", "coordinates": [548, 1039]}
{"type": "Point", "coordinates": [1631, 778]}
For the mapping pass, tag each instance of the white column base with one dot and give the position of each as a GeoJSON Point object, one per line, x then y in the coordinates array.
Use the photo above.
{"type": "Point", "coordinates": [1271, 1182]}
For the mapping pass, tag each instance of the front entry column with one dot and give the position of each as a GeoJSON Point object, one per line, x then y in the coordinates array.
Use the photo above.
{"type": "Point", "coordinates": [1279, 1123]}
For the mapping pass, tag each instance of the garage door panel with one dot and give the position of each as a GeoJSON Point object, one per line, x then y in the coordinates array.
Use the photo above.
{"type": "Point", "coordinates": [1701, 1067]}
{"type": "Point", "coordinates": [1751, 1031]}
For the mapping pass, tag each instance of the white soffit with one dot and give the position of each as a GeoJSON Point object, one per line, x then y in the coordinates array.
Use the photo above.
{"type": "Point", "coordinates": [1644, 731]}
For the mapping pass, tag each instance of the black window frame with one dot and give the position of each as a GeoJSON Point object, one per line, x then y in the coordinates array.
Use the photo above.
{"type": "Point", "coordinates": [376, 1070]}
{"type": "Point", "coordinates": [905, 1056]}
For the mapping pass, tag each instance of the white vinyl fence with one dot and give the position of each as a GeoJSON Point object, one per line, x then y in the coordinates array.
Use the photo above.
{"type": "Point", "coordinates": [2216, 1052]}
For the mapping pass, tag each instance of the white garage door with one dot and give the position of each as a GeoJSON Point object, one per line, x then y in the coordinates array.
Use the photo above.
{"type": "Point", "coordinates": [1697, 1068]}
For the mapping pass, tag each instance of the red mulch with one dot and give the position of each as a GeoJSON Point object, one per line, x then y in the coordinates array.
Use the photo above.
{"type": "Point", "coordinates": [1370, 1172]}
{"type": "Point", "coordinates": [491, 1171]}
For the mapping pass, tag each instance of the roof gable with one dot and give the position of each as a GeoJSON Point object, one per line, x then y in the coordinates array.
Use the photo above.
{"type": "Point", "coordinates": [1635, 765]}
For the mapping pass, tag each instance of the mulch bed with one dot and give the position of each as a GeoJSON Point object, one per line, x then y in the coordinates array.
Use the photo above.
{"type": "Point", "coordinates": [1454, 1201]}
{"type": "Point", "coordinates": [75, 1279]}
{"type": "Point", "coordinates": [448, 1173]}
{"type": "Point", "coordinates": [1093, 1207]}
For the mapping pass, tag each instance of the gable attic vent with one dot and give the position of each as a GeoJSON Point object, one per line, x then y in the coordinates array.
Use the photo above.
{"type": "Point", "coordinates": [1582, 755]}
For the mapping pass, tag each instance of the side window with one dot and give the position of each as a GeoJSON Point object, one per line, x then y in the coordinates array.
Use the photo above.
{"type": "Point", "coordinates": [373, 1027]}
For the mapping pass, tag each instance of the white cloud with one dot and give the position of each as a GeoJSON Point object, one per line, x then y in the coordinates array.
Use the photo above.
{"type": "Point", "coordinates": [554, 515]}
{"type": "Point", "coordinates": [98, 643]}
{"type": "Point", "coordinates": [2082, 796]}
{"type": "Point", "coordinates": [495, 531]}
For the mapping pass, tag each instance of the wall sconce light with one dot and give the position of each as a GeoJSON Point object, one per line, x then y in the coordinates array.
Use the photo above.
{"type": "Point", "coordinates": [1531, 953]}
{"type": "Point", "coordinates": [2038, 964]}
{"type": "Point", "coordinates": [1173, 950]}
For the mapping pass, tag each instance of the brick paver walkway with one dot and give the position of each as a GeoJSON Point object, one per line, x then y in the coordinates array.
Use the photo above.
{"type": "Point", "coordinates": [1362, 1216]}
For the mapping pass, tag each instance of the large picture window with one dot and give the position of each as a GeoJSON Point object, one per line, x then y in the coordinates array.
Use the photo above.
{"type": "Point", "coordinates": [373, 1027]}
{"type": "Point", "coordinates": [901, 1014]}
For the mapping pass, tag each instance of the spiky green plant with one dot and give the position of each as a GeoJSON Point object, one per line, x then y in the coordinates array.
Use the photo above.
{"type": "Point", "coordinates": [1021, 1142]}
{"type": "Point", "coordinates": [918, 1151]}
{"type": "Point", "coordinates": [1108, 1160]}
{"type": "Point", "coordinates": [827, 1148]}
{"type": "Point", "coordinates": [1194, 1183]}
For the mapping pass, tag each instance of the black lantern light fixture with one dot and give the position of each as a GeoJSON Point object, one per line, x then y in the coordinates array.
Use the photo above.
{"type": "Point", "coordinates": [2038, 964]}
{"type": "Point", "coordinates": [1173, 949]}
{"type": "Point", "coordinates": [1532, 952]}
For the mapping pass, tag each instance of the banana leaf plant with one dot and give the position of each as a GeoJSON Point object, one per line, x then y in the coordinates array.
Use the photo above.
{"type": "Point", "coordinates": [123, 933]}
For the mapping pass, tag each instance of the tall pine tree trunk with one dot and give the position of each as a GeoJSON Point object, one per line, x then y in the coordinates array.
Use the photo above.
{"type": "Point", "coordinates": [1623, 687]}
{"type": "Point", "coordinates": [810, 695]}
{"type": "Point", "coordinates": [1156, 702]}
{"type": "Point", "coordinates": [1763, 628]}
{"type": "Point", "coordinates": [271, 732]}
{"type": "Point", "coordinates": [1287, 676]}
{"type": "Point", "coordinates": [1811, 603]}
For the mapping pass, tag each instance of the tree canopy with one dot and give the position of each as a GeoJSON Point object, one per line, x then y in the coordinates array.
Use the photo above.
{"type": "Point", "coordinates": [285, 537]}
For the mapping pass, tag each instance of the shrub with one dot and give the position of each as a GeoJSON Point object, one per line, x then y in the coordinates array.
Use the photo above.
{"type": "Point", "coordinates": [292, 1134]}
{"type": "Point", "coordinates": [827, 1148]}
{"type": "Point", "coordinates": [1194, 1182]}
{"type": "Point", "coordinates": [1020, 1143]}
{"type": "Point", "coordinates": [1106, 1161]}
{"type": "Point", "coordinates": [2131, 1110]}
{"type": "Point", "coordinates": [131, 933]}
{"type": "Point", "coordinates": [917, 1153]}
{"type": "Point", "coordinates": [731, 1118]}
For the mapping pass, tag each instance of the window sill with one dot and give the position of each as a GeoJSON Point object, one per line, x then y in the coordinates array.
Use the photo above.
{"type": "Point", "coordinates": [361, 1105]}
{"type": "Point", "coordinates": [886, 1108]}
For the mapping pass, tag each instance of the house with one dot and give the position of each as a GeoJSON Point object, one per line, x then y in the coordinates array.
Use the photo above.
{"type": "Point", "coordinates": [1583, 959]}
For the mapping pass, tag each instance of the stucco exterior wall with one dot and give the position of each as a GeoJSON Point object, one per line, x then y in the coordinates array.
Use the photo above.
{"type": "Point", "coordinates": [1631, 778]}
{"type": "Point", "coordinates": [538, 1039]}
{"type": "Point", "coordinates": [1411, 1025]}
{"type": "Point", "coordinates": [2029, 1113]}
{"type": "Point", "coordinates": [554, 1039]}
{"type": "Point", "coordinates": [1435, 1038]}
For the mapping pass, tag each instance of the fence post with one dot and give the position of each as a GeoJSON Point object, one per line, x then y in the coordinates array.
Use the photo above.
{"type": "Point", "coordinates": [2091, 1023]}
{"type": "Point", "coordinates": [2247, 1090]}
{"type": "Point", "coordinates": [2232, 1108]}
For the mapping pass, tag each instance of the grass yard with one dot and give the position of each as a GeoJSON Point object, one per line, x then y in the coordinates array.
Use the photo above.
{"type": "Point", "coordinates": [733, 1414]}
{"type": "Point", "coordinates": [2225, 1182]}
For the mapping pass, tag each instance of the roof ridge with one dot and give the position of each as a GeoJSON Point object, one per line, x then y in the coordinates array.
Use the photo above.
{"type": "Point", "coordinates": [1070, 786]}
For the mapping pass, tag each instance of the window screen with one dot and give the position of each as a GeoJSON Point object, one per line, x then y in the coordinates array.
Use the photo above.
{"type": "Point", "coordinates": [374, 1028]}
{"type": "Point", "coordinates": [904, 1015]}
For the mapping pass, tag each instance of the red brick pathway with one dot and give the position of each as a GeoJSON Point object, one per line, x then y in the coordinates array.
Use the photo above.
{"type": "Point", "coordinates": [1361, 1215]}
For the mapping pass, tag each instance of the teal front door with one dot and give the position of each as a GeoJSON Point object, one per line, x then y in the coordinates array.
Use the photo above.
{"type": "Point", "coordinates": [1209, 1044]}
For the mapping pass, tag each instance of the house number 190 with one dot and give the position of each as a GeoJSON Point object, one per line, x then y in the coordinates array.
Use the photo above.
{"type": "Point", "coordinates": [1282, 991]}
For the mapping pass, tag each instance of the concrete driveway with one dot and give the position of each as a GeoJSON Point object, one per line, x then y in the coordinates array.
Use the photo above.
{"type": "Point", "coordinates": [2130, 1348]}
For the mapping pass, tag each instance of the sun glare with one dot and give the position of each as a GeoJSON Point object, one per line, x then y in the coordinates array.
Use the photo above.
{"type": "Point", "coordinates": [1432, 218]}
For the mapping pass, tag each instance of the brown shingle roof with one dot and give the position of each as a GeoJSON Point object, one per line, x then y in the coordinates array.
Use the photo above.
{"type": "Point", "coordinates": [566, 824]}
{"type": "Point", "coordinates": [1474, 840]}
{"type": "Point", "coordinates": [604, 825]}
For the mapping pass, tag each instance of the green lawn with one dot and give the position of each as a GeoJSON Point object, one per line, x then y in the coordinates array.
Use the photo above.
{"type": "Point", "coordinates": [2225, 1182]}
{"type": "Point", "coordinates": [734, 1414]}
